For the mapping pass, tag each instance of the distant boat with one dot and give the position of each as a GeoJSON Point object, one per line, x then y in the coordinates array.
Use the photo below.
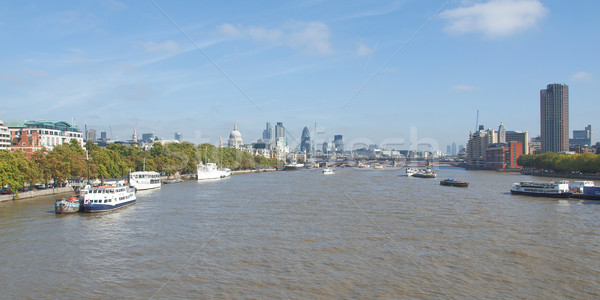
{"type": "Point", "coordinates": [424, 173]}
{"type": "Point", "coordinates": [454, 182]}
{"type": "Point", "coordinates": [379, 167]}
{"type": "Point", "coordinates": [327, 171]}
{"type": "Point", "coordinates": [410, 172]}
{"type": "Point", "coordinates": [292, 166]}
{"type": "Point", "coordinates": [171, 181]}
{"type": "Point", "coordinates": [107, 198]}
{"type": "Point", "coordinates": [144, 180]}
{"type": "Point", "coordinates": [542, 189]}
{"type": "Point", "coordinates": [211, 171]}
{"type": "Point", "coordinates": [364, 166]}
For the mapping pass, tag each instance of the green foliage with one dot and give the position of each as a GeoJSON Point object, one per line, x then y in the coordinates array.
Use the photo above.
{"type": "Point", "coordinates": [585, 163]}
{"type": "Point", "coordinates": [71, 160]}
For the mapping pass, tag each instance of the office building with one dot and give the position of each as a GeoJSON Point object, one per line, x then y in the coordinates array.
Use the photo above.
{"type": "Point", "coordinates": [477, 147]}
{"type": "Point", "coordinates": [338, 143]}
{"type": "Point", "coordinates": [582, 137]}
{"type": "Point", "coordinates": [90, 135]}
{"type": "Point", "coordinates": [178, 136]}
{"type": "Point", "coordinates": [4, 137]}
{"type": "Point", "coordinates": [279, 130]}
{"type": "Point", "coordinates": [305, 144]}
{"type": "Point", "coordinates": [268, 133]}
{"type": "Point", "coordinates": [554, 118]}
{"type": "Point", "coordinates": [520, 137]}
{"type": "Point", "coordinates": [30, 136]}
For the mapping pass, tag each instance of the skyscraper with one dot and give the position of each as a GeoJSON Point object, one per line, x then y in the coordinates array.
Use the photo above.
{"type": "Point", "coordinates": [338, 142]}
{"type": "Point", "coordinates": [554, 118]}
{"type": "Point", "coordinates": [178, 136]}
{"type": "Point", "coordinates": [268, 133]}
{"type": "Point", "coordinates": [501, 133]}
{"type": "Point", "coordinates": [305, 145]}
{"type": "Point", "coordinates": [279, 130]}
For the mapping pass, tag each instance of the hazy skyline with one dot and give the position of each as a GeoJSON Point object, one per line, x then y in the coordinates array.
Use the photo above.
{"type": "Point", "coordinates": [366, 70]}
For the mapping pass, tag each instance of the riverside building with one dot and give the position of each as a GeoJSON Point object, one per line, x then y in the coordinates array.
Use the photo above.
{"type": "Point", "coordinates": [554, 118]}
{"type": "Point", "coordinates": [30, 136]}
{"type": "Point", "coordinates": [4, 137]}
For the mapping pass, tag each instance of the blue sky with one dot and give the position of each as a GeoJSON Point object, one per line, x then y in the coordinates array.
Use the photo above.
{"type": "Point", "coordinates": [382, 72]}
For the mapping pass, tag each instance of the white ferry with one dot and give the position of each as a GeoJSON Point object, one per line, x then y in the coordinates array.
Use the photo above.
{"type": "Point", "coordinates": [145, 180]}
{"type": "Point", "coordinates": [542, 189]}
{"type": "Point", "coordinates": [410, 172]}
{"type": "Point", "coordinates": [327, 171]}
{"type": "Point", "coordinates": [210, 171]}
{"type": "Point", "coordinates": [106, 198]}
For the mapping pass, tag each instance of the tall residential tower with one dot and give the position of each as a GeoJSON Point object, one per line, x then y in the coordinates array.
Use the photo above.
{"type": "Point", "coordinates": [554, 118]}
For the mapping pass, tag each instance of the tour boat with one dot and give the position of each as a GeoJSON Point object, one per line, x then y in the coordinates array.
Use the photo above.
{"type": "Point", "coordinates": [107, 198]}
{"type": "Point", "coordinates": [327, 171]}
{"type": "Point", "coordinates": [73, 204]}
{"type": "Point", "coordinates": [293, 166]}
{"type": "Point", "coordinates": [144, 180]}
{"type": "Point", "coordinates": [454, 182]}
{"type": "Point", "coordinates": [210, 171]}
{"type": "Point", "coordinates": [542, 189]}
{"type": "Point", "coordinates": [424, 173]}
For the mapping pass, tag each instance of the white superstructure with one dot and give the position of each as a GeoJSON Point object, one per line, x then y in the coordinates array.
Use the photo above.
{"type": "Point", "coordinates": [144, 180]}
{"type": "Point", "coordinates": [210, 171]}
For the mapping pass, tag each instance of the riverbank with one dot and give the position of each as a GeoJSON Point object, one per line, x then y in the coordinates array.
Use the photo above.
{"type": "Point", "coordinates": [38, 193]}
{"type": "Point", "coordinates": [562, 175]}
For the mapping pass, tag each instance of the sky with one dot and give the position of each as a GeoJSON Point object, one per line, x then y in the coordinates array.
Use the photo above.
{"type": "Point", "coordinates": [395, 73]}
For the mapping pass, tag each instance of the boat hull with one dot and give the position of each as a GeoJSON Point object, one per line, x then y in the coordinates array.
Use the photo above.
{"type": "Point", "coordinates": [454, 183]}
{"type": "Point", "coordinates": [586, 196]}
{"type": "Point", "coordinates": [66, 207]}
{"type": "Point", "coordinates": [101, 207]}
{"type": "Point", "coordinates": [423, 175]}
{"type": "Point", "coordinates": [537, 194]}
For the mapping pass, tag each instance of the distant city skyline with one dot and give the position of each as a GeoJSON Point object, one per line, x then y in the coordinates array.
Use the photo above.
{"type": "Point", "coordinates": [375, 73]}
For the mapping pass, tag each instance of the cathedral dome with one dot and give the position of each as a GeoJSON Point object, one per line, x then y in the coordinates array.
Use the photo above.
{"type": "Point", "coordinates": [235, 138]}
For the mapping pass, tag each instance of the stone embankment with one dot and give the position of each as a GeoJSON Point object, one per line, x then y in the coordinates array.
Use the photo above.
{"type": "Point", "coordinates": [37, 193]}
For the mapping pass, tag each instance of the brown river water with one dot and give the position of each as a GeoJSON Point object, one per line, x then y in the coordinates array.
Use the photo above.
{"type": "Point", "coordinates": [300, 234]}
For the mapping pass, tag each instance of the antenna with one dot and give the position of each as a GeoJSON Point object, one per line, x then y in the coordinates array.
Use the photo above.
{"type": "Point", "coordinates": [477, 122]}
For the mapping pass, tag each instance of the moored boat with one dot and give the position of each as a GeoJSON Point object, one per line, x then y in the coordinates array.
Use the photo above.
{"type": "Point", "coordinates": [542, 189]}
{"type": "Point", "coordinates": [107, 198]}
{"type": "Point", "coordinates": [454, 182]}
{"type": "Point", "coordinates": [144, 180]}
{"type": "Point", "coordinates": [588, 193]}
{"type": "Point", "coordinates": [71, 205]}
{"type": "Point", "coordinates": [211, 171]}
{"type": "Point", "coordinates": [327, 171]}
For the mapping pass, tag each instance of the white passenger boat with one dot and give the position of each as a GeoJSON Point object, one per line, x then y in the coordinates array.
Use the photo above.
{"type": "Point", "coordinates": [410, 172]}
{"type": "Point", "coordinates": [211, 171]}
{"type": "Point", "coordinates": [107, 198]}
{"type": "Point", "coordinates": [542, 189]}
{"type": "Point", "coordinates": [327, 171]}
{"type": "Point", "coordinates": [144, 180]}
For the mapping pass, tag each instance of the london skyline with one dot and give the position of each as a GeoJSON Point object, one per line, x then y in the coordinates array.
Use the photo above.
{"type": "Point", "coordinates": [363, 70]}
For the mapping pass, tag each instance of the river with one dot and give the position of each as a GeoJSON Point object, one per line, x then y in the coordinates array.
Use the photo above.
{"type": "Point", "coordinates": [300, 234]}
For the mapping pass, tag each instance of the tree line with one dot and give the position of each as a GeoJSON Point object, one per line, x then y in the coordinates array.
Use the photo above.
{"type": "Point", "coordinates": [71, 160]}
{"type": "Point", "coordinates": [588, 163]}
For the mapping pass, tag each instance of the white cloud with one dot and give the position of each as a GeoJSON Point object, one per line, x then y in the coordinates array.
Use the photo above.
{"type": "Point", "coordinates": [364, 50]}
{"type": "Point", "coordinates": [167, 46]}
{"type": "Point", "coordinates": [312, 37]}
{"type": "Point", "coordinates": [582, 76]}
{"type": "Point", "coordinates": [495, 18]}
{"type": "Point", "coordinates": [463, 87]}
